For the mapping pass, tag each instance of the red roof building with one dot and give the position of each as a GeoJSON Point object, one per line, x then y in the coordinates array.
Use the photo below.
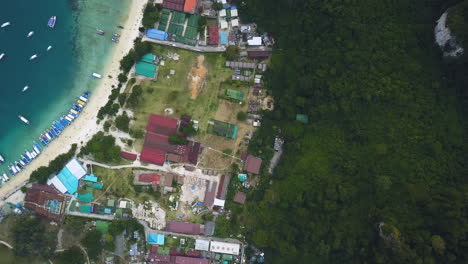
{"type": "Point", "coordinates": [173, 158]}
{"type": "Point", "coordinates": [155, 156]}
{"type": "Point", "coordinates": [211, 188]}
{"type": "Point", "coordinates": [150, 177]}
{"type": "Point", "coordinates": [127, 155]}
{"type": "Point", "coordinates": [45, 201]}
{"type": "Point", "coordinates": [188, 260]}
{"type": "Point", "coordinates": [214, 35]}
{"type": "Point", "coordinates": [155, 258]}
{"type": "Point", "coordinates": [252, 164]}
{"type": "Point", "coordinates": [190, 5]}
{"type": "Point", "coordinates": [240, 197]}
{"type": "Point", "coordinates": [162, 125]}
{"type": "Point", "coordinates": [185, 228]}
{"type": "Point", "coordinates": [258, 54]}
{"type": "Point", "coordinates": [177, 5]}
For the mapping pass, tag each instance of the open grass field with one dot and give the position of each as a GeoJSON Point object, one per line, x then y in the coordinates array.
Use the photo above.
{"type": "Point", "coordinates": [174, 92]}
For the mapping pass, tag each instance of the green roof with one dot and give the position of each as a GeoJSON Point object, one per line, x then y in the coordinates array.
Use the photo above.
{"type": "Point", "coordinates": [97, 186]}
{"type": "Point", "coordinates": [302, 118]}
{"type": "Point", "coordinates": [111, 202]}
{"type": "Point", "coordinates": [85, 208]}
{"type": "Point", "coordinates": [146, 69]}
{"type": "Point", "coordinates": [224, 129]}
{"type": "Point", "coordinates": [102, 226]}
{"type": "Point", "coordinates": [85, 197]}
{"type": "Point", "coordinates": [148, 58]}
{"type": "Point", "coordinates": [234, 94]}
{"type": "Point", "coordinates": [118, 213]}
{"type": "Point", "coordinates": [227, 257]}
{"type": "Point", "coordinates": [193, 21]}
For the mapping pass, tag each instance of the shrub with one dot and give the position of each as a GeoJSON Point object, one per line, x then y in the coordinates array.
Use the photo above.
{"type": "Point", "coordinates": [241, 116]}
{"type": "Point", "coordinates": [122, 78]}
{"type": "Point", "coordinates": [122, 122]}
{"type": "Point", "coordinates": [175, 139]}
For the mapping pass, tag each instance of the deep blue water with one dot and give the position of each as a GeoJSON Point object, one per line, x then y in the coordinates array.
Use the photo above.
{"type": "Point", "coordinates": [57, 76]}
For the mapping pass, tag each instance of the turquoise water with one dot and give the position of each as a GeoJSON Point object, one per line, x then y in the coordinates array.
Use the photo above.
{"type": "Point", "coordinates": [57, 76]}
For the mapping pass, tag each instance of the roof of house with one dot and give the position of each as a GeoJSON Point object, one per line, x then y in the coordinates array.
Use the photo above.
{"type": "Point", "coordinates": [188, 260]}
{"type": "Point", "coordinates": [45, 201]}
{"type": "Point", "coordinates": [211, 188]}
{"type": "Point", "coordinates": [156, 34]}
{"type": "Point", "coordinates": [168, 178]}
{"type": "Point", "coordinates": [224, 247]}
{"type": "Point", "coordinates": [149, 177]}
{"type": "Point", "coordinates": [68, 177]}
{"type": "Point", "coordinates": [252, 164]}
{"type": "Point", "coordinates": [258, 54]}
{"type": "Point", "coordinates": [91, 178]}
{"type": "Point", "coordinates": [127, 155]}
{"type": "Point", "coordinates": [240, 197]}
{"type": "Point", "coordinates": [146, 69]}
{"type": "Point", "coordinates": [189, 5]}
{"type": "Point", "coordinates": [223, 38]}
{"type": "Point", "coordinates": [214, 35]}
{"type": "Point", "coordinates": [185, 228]}
{"type": "Point", "coordinates": [85, 197]}
{"type": "Point", "coordinates": [255, 41]}
{"type": "Point", "coordinates": [209, 228]}
{"type": "Point", "coordinates": [201, 244]}
{"type": "Point", "coordinates": [155, 156]}
{"type": "Point", "coordinates": [177, 5]}
{"type": "Point", "coordinates": [162, 125]}
{"type": "Point", "coordinates": [156, 239]}
{"type": "Point", "coordinates": [173, 157]}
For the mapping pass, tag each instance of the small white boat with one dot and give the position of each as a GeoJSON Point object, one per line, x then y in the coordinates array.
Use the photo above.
{"type": "Point", "coordinates": [2, 55]}
{"type": "Point", "coordinates": [23, 119]}
{"type": "Point", "coordinates": [33, 57]}
{"type": "Point", "coordinates": [25, 88]}
{"type": "Point", "coordinates": [49, 48]}
{"type": "Point", "coordinates": [6, 24]}
{"type": "Point", "coordinates": [30, 34]}
{"type": "Point", "coordinates": [96, 75]}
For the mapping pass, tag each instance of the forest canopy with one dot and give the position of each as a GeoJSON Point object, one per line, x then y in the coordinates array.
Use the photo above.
{"type": "Point", "coordinates": [379, 173]}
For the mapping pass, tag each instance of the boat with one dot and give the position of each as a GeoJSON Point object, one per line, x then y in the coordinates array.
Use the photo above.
{"type": "Point", "coordinates": [33, 57]}
{"type": "Point", "coordinates": [6, 24]}
{"type": "Point", "coordinates": [30, 34]}
{"type": "Point", "coordinates": [1, 160]}
{"type": "Point", "coordinates": [37, 147]}
{"type": "Point", "coordinates": [2, 55]}
{"type": "Point", "coordinates": [25, 88]}
{"type": "Point", "coordinates": [116, 35]}
{"type": "Point", "coordinates": [96, 75]}
{"type": "Point", "coordinates": [99, 31]}
{"type": "Point", "coordinates": [22, 163]}
{"type": "Point", "coordinates": [18, 165]}
{"type": "Point", "coordinates": [115, 40]}
{"type": "Point", "coordinates": [23, 119]}
{"type": "Point", "coordinates": [120, 27]}
{"type": "Point", "coordinates": [5, 177]}
{"type": "Point", "coordinates": [51, 22]}
{"type": "Point", "coordinates": [49, 48]}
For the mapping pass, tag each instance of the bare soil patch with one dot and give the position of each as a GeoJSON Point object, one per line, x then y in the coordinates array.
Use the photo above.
{"type": "Point", "coordinates": [227, 112]}
{"type": "Point", "coordinates": [196, 77]}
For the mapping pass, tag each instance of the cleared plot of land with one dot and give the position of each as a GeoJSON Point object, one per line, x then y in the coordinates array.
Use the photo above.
{"type": "Point", "coordinates": [173, 90]}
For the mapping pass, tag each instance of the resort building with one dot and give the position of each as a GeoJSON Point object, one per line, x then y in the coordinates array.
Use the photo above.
{"type": "Point", "coordinates": [68, 179]}
{"type": "Point", "coordinates": [45, 201]}
{"type": "Point", "coordinates": [147, 66]}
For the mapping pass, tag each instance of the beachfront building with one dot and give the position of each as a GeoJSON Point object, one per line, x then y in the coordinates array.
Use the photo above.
{"type": "Point", "coordinates": [45, 201]}
{"type": "Point", "coordinates": [146, 67]}
{"type": "Point", "coordinates": [156, 34]}
{"type": "Point", "coordinates": [68, 178]}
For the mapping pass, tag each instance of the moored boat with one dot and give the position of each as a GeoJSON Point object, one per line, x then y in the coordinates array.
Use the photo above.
{"type": "Point", "coordinates": [22, 118]}
{"type": "Point", "coordinates": [96, 75]}
{"type": "Point", "coordinates": [51, 22]}
{"type": "Point", "coordinates": [99, 31]}
{"type": "Point", "coordinates": [2, 55]}
{"type": "Point", "coordinates": [6, 24]}
{"type": "Point", "coordinates": [33, 57]}
{"type": "Point", "coordinates": [30, 34]}
{"type": "Point", "coordinates": [25, 88]}
{"type": "Point", "coordinates": [49, 48]}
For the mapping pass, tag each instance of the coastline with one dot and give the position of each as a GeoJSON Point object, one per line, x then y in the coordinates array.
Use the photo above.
{"type": "Point", "coordinates": [85, 126]}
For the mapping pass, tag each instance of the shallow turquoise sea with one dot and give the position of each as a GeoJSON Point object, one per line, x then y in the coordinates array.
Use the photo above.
{"type": "Point", "coordinates": [57, 76]}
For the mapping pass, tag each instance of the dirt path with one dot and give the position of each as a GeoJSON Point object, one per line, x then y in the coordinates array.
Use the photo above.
{"type": "Point", "coordinates": [196, 77]}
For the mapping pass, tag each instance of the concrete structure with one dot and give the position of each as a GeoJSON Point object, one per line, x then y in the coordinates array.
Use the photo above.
{"type": "Point", "coordinates": [201, 244]}
{"type": "Point", "coordinates": [225, 248]}
{"type": "Point", "coordinates": [255, 41]}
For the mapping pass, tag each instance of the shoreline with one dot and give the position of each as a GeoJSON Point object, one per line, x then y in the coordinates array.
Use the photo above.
{"type": "Point", "coordinates": [85, 125]}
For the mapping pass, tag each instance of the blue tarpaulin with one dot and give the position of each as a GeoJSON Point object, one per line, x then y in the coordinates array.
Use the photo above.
{"type": "Point", "coordinates": [156, 34]}
{"type": "Point", "coordinates": [223, 38]}
{"type": "Point", "coordinates": [90, 178]}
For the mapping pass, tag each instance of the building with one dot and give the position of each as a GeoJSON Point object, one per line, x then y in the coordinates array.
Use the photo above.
{"type": "Point", "coordinates": [211, 189]}
{"type": "Point", "coordinates": [185, 228]}
{"type": "Point", "coordinates": [223, 38]}
{"type": "Point", "coordinates": [210, 227]}
{"type": "Point", "coordinates": [156, 34]}
{"type": "Point", "coordinates": [235, 22]}
{"type": "Point", "coordinates": [222, 13]}
{"type": "Point", "coordinates": [162, 125]}
{"type": "Point", "coordinates": [177, 5]}
{"type": "Point", "coordinates": [155, 239]}
{"type": "Point", "coordinates": [188, 260]}
{"type": "Point", "coordinates": [258, 54]}
{"type": "Point", "coordinates": [190, 5]}
{"type": "Point", "coordinates": [255, 41]}
{"type": "Point", "coordinates": [45, 201]}
{"type": "Point", "coordinates": [68, 178]}
{"type": "Point", "coordinates": [240, 197]}
{"type": "Point", "coordinates": [149, 178]}
{"type": "Point", "coordinates": [127, 155]}
{"type": "Point", "coordinates": [214, 35]}
{"type": "Point", "coordinates": [223, 24]}
{"type": "Point", "coordinates": [252, 164]}
{"type": "Point", "coordinates": [224, 129]}
{"type": "Point", "coordinates": [225, 248]}
{"type": "Point", "coordinates": [201, 244]}
{"type": "Point", "coordinates": [147, 66]}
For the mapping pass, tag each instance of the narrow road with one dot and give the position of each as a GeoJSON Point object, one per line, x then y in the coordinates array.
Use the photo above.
{"type": "Point", "coordinates": [97, 216]}
{"type": "Point", "coordinates": [183, 46]}
{"type": "Point", "coordinates": [6, 244]}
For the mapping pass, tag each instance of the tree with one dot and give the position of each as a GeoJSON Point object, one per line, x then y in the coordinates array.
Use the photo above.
{"type": "Point", "coordinates": [122, 78]}
{"type": "Point", "coordinates": [175, 139]}
{"type": "Point", "coordinates": [135, 97]}
{"type": "Point", "coordinates": [217, 6]}
{"type": "Point", "coordinates": [42, 173]}
{"type": "Point", "coordinates": [122, 98]}
{"type": "Point", "coordinates": [232, 52]}
{"type": "Point", "coordinates": [122, 122]}
{"type": "Point", "coordinates": [127, 61]}
{"type": "Point", "coordinates": [149, 19]}
{"type": "Point", "coordinates": [141, 49]}
{"type": "Point", "coordinates": [24, 189]}
{"type": "Point", "coordinates": [189, 130]}
{"type": "Point", "coordinates": [102, 147]}
{"type": "Point", "coordinates": [92, 243]}
{"type": "Point", "coordinates": [72, 255]}
{"type": "Point", "coordinates": [107, 125]}
{"type": "Point", "coordinates": [202, 24]}
{"type": "Point", "coordinates": [31, 238]}
{"type": "Point", "coordinates": [241, 116]}
{"type": "Point", "coordinates": [137, 133]}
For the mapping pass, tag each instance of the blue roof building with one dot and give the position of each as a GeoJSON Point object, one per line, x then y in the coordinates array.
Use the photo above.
{"type": "Point", "coordinates": [156, 239]}
{"type": "Point", "coordinates": [156, 34]}
{"type": "Point", "coordinates": [67, 180]}
{"type": "Point", "coordinates": [223, 38]}
{"type": "Point", "coordinates": [90, 178]}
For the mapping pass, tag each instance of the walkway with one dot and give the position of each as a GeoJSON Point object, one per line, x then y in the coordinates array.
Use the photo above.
{"type": "Point", "coordinates": [6, 244]}
{"type": "Point", "coordinates": [187, 47]}
{"type": "Point", "coordinates": [97, 216]}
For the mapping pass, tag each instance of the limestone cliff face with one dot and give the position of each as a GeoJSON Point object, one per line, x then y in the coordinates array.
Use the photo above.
{"type": "Point", "coordinates": [446, 40]}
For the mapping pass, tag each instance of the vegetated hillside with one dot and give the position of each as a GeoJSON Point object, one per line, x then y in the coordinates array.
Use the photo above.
{"type": "Point", "coordinates": [379, 173]}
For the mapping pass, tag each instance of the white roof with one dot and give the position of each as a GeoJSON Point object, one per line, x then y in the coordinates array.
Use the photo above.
{"type": "Point", "coordinates": [57, 184]}
{"type": "Point", "coordinates": [224, 25]}
{"type": "Point", "coordinates": [224, 248]}
{"type": "Point", "coordinates": [255, 41]}
{"type": "Point", "coordinates": [222, 12]}
{"type": "Point", "coordinates": [219, 202]}
{"type": "Point", "coordinates": [201, 244]}
{"type": "Point", "coordinates": [123, 204]}
{"type": "Point", "coordinates": [235, 22]}
{"type": "Point", "coordinates": [233, 12]}
{"type": "Point", "coordinates": [222, 1]}
{"type": "Point", "coordinates": [76, 169]}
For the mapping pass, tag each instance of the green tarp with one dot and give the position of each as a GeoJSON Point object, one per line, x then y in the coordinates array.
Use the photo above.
{"type": "Point", "coordinates": [146, 69]}
{"type": "Point", "coordinates": [302, 118]}
{"type": "Point", "coordinates": [85, 208]}
{"type": "Point", "coordinates": [85, 197]}
{"type": "Point", "coordinates": [102, 226]}
{"type": "Point", "coordinates": [234, 94]}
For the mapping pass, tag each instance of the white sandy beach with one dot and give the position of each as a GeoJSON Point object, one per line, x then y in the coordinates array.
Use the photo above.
{"type": "Point", "coordinates": [85, 125]}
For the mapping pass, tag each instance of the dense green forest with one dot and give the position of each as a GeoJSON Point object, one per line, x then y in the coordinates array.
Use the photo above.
{"type": "Point", "coordinates": [379, 175]}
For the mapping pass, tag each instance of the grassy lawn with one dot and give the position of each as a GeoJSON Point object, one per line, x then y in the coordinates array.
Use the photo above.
{"type": "Point", "coordinates": [174, 93]}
